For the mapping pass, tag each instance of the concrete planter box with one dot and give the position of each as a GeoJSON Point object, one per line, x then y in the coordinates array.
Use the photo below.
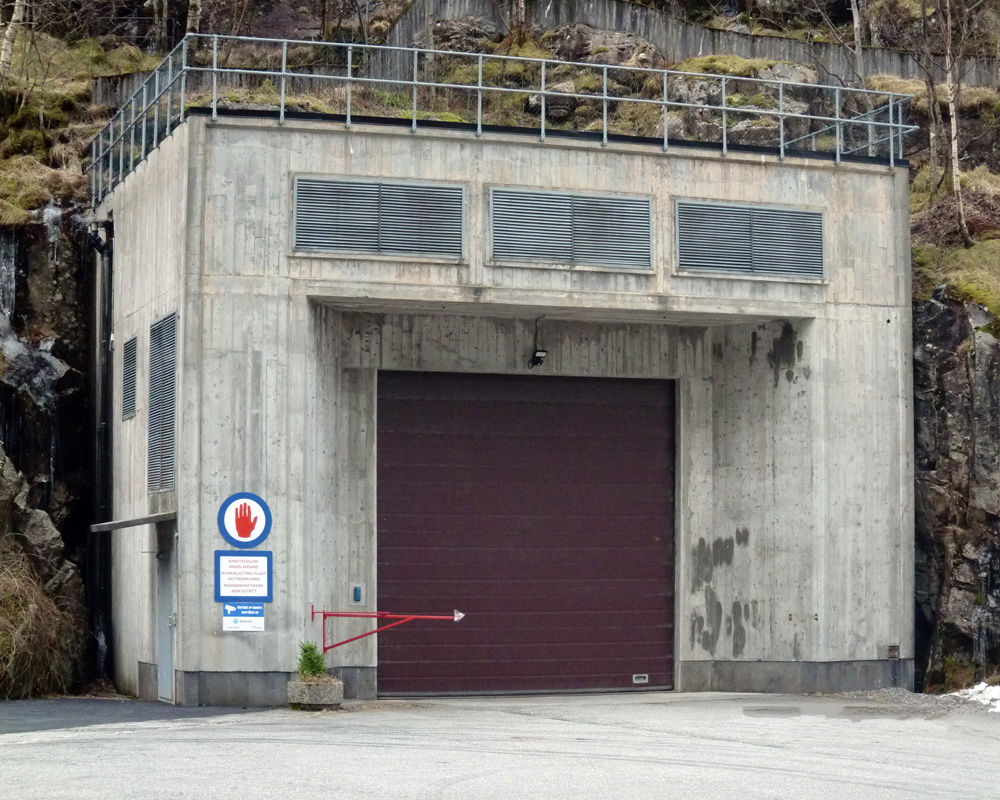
{"type": "Point", "coordinates": [316, 695]}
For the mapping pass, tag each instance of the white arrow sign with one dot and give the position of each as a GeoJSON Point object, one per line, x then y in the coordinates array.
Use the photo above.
{"type": "Point", "coordinates": [458, 615]}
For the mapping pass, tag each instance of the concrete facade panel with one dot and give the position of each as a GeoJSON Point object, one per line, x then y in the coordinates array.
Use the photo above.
{"type": "Point", "coordinates": [794, 470]}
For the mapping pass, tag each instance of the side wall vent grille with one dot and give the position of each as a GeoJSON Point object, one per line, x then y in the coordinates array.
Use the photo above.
{"type": "Point", "coordinates": [129, 369]}
{"type": "Point", "coordinates": [355, 217]}
{"type": "Point", "coordinates": [747, 239]}
{"type": "Point", "coordinates": [560, 228]}
{"type": "Point", "coordinates": [162, 391]}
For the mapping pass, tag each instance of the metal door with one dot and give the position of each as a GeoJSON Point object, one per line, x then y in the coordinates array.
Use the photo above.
{"type": "Point", "coordinates": [166, 614]}
{"type": "Point", "coordinates": [543, 508]}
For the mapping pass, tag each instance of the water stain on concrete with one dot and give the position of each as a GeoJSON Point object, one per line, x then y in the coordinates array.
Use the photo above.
{"type": "Point", "coordinates": [722, 551]}
{"type": "Point", "coordinates": [739, 632]}
{"type": "Point", "coordinates": [713, 627]}
{"type": "Point", "coordinates": [742, 536]}
{"type": "Point", "coordinates": [783, 352]}
{"type": "Point", "coordinates": [753, 347]}
{"type": "Point", "coordinates": [697, 627]}
{"type": "Point", "coordinates": [701, 565]}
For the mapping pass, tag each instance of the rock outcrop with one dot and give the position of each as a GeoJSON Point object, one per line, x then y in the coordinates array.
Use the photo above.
{"type": "Point", "coordinates": [957, 414]}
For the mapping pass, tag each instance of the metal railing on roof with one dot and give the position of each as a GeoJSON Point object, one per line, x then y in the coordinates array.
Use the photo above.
{"type": "Point", "coordinates": [349, 82]}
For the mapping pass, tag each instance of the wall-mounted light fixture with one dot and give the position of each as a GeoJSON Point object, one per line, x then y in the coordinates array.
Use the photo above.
{"type": "Point", "coordinates": [538, 354]}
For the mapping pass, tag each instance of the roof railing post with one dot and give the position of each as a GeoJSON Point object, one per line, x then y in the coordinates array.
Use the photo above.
{"type": "Point", "coordinates": [170, 89]}
{"type": "Point", "coordinates": [413, 118]}
{"type": "Point", "coordinates": [781, 120]}
{"type": "Point", "coordinates": [284, 67]}
{"type": "Point", "coordinates": [840, 132]}
{"type": "Point", "coordinates": [111, 153]}
{"type": "Point", "coordinates": [184, 69]}
{"type": "Point", "coordinates": [725, 120]}
{"type": "Point", "coordinates": [892, 142]}
{"type": "Point", "coordinates": [901, 121]}
{"type": "Point", "coordinates": [145, 116]}
{"type": "Point", "coordinates": [99, 164]}
{"type": "Point", "coordinates": [350, 83]}
{"type": "Point", "coordinates": [604, 115]}
{"type": "Point", "coordinates": [479, 98]}
{"type": "Point", "coordinates": [121, 143]}
{"type": "Point", "coordinates": [666, 119]}
{"type": "Point", "coordinates": [215, 76]}
{"type": "Point", "coordinates": [541, 136]}
{"type": "Point", "coordinates": [93, 172]}
{"type": "Point", "coordinates": [131, 136]}
{"type": "Point", "coordinates": [156, 108]}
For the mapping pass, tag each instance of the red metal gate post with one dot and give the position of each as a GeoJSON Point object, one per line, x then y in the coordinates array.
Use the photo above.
{"type": "Point", "coordinates": [401, 619]}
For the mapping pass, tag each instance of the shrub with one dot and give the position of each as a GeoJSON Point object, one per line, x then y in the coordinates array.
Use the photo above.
{"type": "Point", "coordinates": [41, 641]}
{"type": "Point", "coordinates": [310, 661]}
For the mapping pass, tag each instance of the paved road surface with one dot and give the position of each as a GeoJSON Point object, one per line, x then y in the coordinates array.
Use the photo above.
{"type": "Point", "coordinates": [602, 746]}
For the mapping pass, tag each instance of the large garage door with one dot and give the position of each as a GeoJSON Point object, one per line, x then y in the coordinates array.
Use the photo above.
{"type": "Point", "coordinates": [543, 509]}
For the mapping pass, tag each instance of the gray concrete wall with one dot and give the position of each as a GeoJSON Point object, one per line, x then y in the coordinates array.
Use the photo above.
{"type": "Point", "coordinates": [803, 553]}
{"type": "Point", "coordinates": [151, 220]}
{"type": "Point", "coordinates": [794, 470]}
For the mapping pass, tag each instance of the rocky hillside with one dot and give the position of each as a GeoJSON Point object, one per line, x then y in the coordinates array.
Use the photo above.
{"type": "Point", "coordinates": [46, 119]}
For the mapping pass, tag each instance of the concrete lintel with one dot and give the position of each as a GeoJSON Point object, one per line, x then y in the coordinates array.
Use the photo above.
{"type": "Point", "coordinates": [652, 314]}
{"type": "Point", "coordinates": [150, 519]}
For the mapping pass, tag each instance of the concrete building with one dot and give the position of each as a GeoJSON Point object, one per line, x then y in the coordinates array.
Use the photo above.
{"type": "Point", "coordinates": [644, 416]}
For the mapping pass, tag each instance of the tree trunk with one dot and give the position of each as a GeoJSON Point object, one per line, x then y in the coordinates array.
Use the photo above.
{"type": "Point", "coordinates": [952, 88]}
{"type": "Point", "coordinates": [162, 39]}
{"type": "Point", "coordinates": [9, 35]}
{"type": "Point", "coordinates": [859, 66]}
{"type": "Point", "coordinates": [194, 16]}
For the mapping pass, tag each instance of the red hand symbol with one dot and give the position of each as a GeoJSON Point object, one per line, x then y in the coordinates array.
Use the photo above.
{"type": "Point", "coordinates": [244, 525]}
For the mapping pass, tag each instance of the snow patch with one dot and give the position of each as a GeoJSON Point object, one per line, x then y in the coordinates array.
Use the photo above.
{"type": "Point", "coordinates": [982, 693]}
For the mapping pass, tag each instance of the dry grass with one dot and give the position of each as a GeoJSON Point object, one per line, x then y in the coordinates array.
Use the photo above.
{"type": "Point", "coordinates": [26, 183]}
{"type": "Point", "coordinates": [40, 643]}
{"type": "Point", "coordinates": [973, 101]}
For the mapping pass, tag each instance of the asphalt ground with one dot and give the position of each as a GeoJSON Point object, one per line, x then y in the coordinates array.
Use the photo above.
{"type": "Point", "coordinates": [649, 745]}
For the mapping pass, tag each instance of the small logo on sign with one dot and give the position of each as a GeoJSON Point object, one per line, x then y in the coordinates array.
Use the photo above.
{"type": "Point", "coordinates": [244, 520]}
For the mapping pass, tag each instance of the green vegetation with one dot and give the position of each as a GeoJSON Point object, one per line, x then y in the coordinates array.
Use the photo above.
{"type": "Point", "coordinates": [46, 119]}
{"type": "Point", "coordinates": [310, 661]}
{"type": "Point", "coordinates": [957, 674]}
{"type": "Point", "coordinates": [972, 274]}
{"type": "Point", "coordinates": [726, 65]}
{"type": "Point", "coordinates": [759, 100]}
{"type": "Point", "coordinates": [639, 119]}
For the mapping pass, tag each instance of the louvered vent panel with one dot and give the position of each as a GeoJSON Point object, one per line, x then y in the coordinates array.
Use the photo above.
{"type": "Point", "coordinates": [571, 229]}
{"type": "Point", "coordinates": [129, 369]}
{"type": "Point", "coordinates": [335, 216]}
{"type": "Point", "coordinates": [421, 219]}
{"type": "Point", "coordinates": [162, 388]}
{"type": "Point", "coordinates": [788, 243]}
{"type": "Point", "coordinates": [764, 241]}
{"type": "Point", "coordinates": [613, 232]}
{"type": "Point", "coordinates": [532, 226]}
{"type": "Point", "coordinates": [714, 237]}
{"type": "Point", "coordinates": [354, 217]}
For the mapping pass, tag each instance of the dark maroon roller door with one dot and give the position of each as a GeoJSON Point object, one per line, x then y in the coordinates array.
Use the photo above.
{"type": "Point", "coordinates": [542, 508]}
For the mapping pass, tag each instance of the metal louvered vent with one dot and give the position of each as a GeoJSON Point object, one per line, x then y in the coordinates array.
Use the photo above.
{"type": "Point", "coordinates": [162, 389]}
{"type": "Point", "coordinates": [748, 239]}
{"type": "Point", "coordinates": [356, 217]}
{"type": "Point", "coordinates": [129, 368]}
{"type": "Point", "coordinates": [571, 229]}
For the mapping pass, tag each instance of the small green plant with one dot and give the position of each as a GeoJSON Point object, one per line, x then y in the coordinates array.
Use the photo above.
{"type": "Point", "coordinates": [310, 661]}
